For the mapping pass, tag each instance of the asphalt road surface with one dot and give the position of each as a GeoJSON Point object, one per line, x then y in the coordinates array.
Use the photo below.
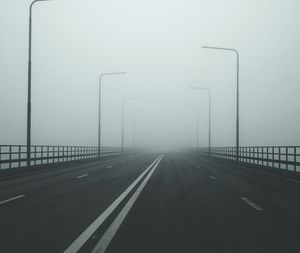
{"type": "Point", "coordinates": [150, 203]}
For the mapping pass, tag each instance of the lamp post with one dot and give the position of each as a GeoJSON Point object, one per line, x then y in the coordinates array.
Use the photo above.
{"type": "Point", "coordinates": [237, 93]}
{"type": "Point", "coordinates": [29, 82]}
{"type": "Point", "coordinates": [99, 109]}
{"type": "Point", "coordinates": [123, 119]}
{"type": "Point", "coordinates": [209, 112]}
{"type": "Point", "coordinates": [197, 122]}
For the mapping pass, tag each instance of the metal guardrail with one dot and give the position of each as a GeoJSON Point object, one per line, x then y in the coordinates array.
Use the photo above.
{"type": "Point", "coordinates": [14, 156]}
{"type": "Point", "coordinates": [282, 157]}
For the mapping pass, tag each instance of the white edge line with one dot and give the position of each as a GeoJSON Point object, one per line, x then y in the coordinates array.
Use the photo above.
{"type": "Point", "coordinates": [11, 199]}
{"type": "Point", "coordinates": [113, 228]}
{"type": "Point", "coordinates": [86, 234]}
{"type": "Point", "coordinates": [109, 167]}
{"type": "Point", "coordinates": [249, 202]}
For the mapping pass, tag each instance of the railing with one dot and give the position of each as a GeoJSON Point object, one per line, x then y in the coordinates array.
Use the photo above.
{"type": "Point", "coordinates": [282, 157]}
{"type": "Point", "coordinates": [13, 156]}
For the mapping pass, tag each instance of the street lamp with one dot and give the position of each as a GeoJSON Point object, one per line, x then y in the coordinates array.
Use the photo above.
{"type": "Point", "coordinates": [209, 112]}
{"type": "Point", "coordinates": [29, 83]}
{"type": "Point", "coordinates": [123, 114]}
{"type": "Point", "coordinates": [237, 93]}
{"type": "Point", "coordinates": [99, 113]}
{"type": "Point", "coordinates": [197, 122]}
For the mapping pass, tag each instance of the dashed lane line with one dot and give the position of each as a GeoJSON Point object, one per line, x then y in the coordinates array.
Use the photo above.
{"type": "Point", "coordinates": [250, 203]}
{"type": "Point", "coordinates": [81, 176]}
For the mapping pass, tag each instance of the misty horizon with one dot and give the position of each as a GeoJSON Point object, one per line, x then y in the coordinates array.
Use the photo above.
{"type": "Point", "coordinates": [158, 44]}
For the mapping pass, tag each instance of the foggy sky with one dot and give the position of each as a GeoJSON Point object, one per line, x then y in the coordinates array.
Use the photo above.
{"type": "Point", "coordinates": [158, 43]}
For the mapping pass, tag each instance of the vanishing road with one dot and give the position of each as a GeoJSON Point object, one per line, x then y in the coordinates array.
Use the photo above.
{"type": "Point", "coordinates": [154, 203]}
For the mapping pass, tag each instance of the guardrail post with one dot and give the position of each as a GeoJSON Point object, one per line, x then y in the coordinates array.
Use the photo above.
{"type": "Point", "coordinates": [42, 154]}
{"type": "Point", "coordinates": [34, 150]}
{"type": "Point", "coordinates": [9, 155]}
{"type": "Point", "coordinates": [261, 156]}
{"type": "Point", "coordinates": [295, 160]}
{"type": "Point", "coordinates": [279, 156]}
{"type": "Point", "coordinates": [273, 157]}
{"type": "Point", "coordinates": [268, 156]}
{"type": "Point", "coordinates": [287, 158]}
{"type": "Point", "coordinates": [47, 154]}
{"type": "Point", "coordinates": [19, 155]}
{"type": "Point", "coordinates": [53, 154]}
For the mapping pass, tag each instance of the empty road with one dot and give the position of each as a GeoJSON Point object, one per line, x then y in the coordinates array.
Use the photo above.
{"type": "Point", "coordinates": [149, 203]}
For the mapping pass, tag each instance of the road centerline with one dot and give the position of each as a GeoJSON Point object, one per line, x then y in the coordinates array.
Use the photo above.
{"type": "Point", "coordinates": [88, 232]}
{"type": "Point", "coordinates": [113, 228]}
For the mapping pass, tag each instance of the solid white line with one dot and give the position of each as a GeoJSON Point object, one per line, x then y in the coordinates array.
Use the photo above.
{"type": "Point", "coordinates": [85, 175]}
{"type": "Point", "coordinates": [113, 228]}
{"type": "Point", "coordinates": [86, 234]}
{"type": "Point", "coordinates": [11, 199]}
{"type": "Point", "coordinates": [109, 167]}
{"type": "Point", "coordinates": [249, 202]}
{"type": "Point", "coordinates": [212, 177]}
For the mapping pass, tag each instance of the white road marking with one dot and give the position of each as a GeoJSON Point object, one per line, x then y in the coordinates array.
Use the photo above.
{"type": "Point", "coordinates": [85, 175]}
{"type": "Point", "coordinates": [109, 167]}
{"type": "Point", "coordinates": [198, 167]}
{"type": "Point", "coordinates": [113, 228]}
{"type": "Point", "coordinates": [212, 177]}
{"type": "Point", "coordinates": [86, 234]}
{"type": "Point", "coordinates": [249, 202]}
{"type": "Point", "coordinates": [11, 199]}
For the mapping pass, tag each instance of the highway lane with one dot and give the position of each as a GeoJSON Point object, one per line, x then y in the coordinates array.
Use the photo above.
{"type": "Point", "coordinates": [194, 204]}
{"type": "Point", "coordinates": [173, 203]}
{"type": "Point", "coordinates": [279, 196]}
{"type": "Point", "coordinates": [31, 179]}
{"type": "Point", "coordinates": [60, 204]}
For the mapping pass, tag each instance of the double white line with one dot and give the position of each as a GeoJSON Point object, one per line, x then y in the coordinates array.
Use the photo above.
{"type": "Point", "coordinates": [111, 231]}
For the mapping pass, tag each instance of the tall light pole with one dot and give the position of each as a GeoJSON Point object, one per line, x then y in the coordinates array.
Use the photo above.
{"type": "Point", "coordinates": [237, 93]}
{"type": "Point", "coordinates": [29, 83]}
{"type": "Point", "coordinates": [123, 119]}
{"type": "Point", "coordinates": [197, 122]}
{"type": "Point", "coordinates": [209, 112]}
{"type": "Point", "coordinates": [99, 109]}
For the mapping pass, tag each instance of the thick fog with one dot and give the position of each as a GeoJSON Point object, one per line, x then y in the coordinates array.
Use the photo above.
{"type": "Point", "coordinates": [158, 43]}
